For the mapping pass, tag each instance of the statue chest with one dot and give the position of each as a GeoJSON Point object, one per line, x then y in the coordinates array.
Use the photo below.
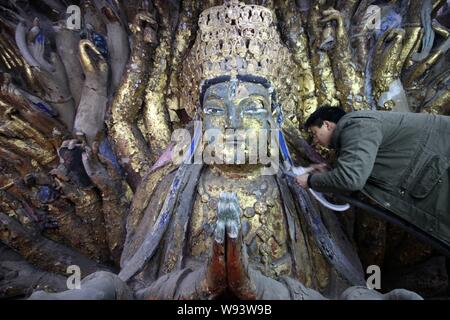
{"type": "Point", "coordinates": [263, 224]}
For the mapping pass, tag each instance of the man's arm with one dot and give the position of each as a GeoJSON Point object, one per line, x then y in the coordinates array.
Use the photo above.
{"type": "Point", "coordinates": [359, 142]}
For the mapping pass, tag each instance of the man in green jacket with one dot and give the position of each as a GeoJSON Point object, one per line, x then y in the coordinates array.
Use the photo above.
{"type": "Point", "coordinates": [399, 160]}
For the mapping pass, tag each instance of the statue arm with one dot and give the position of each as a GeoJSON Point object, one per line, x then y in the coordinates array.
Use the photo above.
{"type": "Point", "coordinates": [105, 176]}
{"type": "Point", "coordinates": [50, 75]}
{"type": "Point", "coordinates": [90, 115]}
{"type": "Point", "coordinates": [349, 80]}
{"type": "Point", "coordinates": [440, 104]}
{"type": "Point", "coordinates": [155, 113]}
{"type": "Point", "coordinates": [323, 74]}
{"type": "Point", "coordinates": [413, 32]}
{"type": "Point", "coordinates": [129, 143]}
{"type": "Point", "coordinates": [420, 69]}
{"type": "Point", "coordinates": [293, 26]}
{"type": "Point", "coordinates": [118, 46]}
{"type": "Point", "coordinates": [387, 66]}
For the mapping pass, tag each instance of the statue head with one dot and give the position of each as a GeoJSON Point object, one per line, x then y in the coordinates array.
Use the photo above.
{"type": "Point", "coordinates": [235, 41]}
{"type": "Point", "coordinates": [236, 115]}
{"type": "Point", "coordinates": [237, 69]}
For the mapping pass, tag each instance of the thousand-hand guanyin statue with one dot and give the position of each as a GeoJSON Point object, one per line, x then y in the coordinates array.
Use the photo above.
{"type": "Point", "coordinates": [160, 165]}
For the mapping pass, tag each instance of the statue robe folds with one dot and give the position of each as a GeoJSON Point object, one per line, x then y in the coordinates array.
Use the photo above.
{"type": "Point", "coordinates": [156, 259]}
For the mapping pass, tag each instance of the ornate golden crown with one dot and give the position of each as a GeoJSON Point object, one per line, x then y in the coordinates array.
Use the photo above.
{"type": "Point", "coordinates": [235, 39]}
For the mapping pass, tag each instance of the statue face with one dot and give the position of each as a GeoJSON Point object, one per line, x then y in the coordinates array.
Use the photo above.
{"type": "Point", "coordinates": [233, 109]}
{"type": "Point", "coordinates": [236, 105]}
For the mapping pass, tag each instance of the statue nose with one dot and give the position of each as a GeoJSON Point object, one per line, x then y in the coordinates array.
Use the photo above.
{"type": "Point", "coordinates": [234, 118]}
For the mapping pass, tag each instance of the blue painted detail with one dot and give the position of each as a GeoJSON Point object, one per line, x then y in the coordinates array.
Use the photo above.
{"type": "Point", "coordinates": [194, 144]}
{"type": "Point", "coordinates": [388, 21]}
{"type": "Point", "coordinates": [279, 114]}
{"type": "Point", "coordinates": [100, 43]}
{"type": "Point", "coordinates": [106, 151]}
{"type": "Point", "coordinates": [282, 141]}
{"type": "Point", "coordinates": [40, 38]}
{"type": "Point", "coordinates": [192, 149]}
{"type": "Point", "coordinates": [46, 109]}
{"type": "Point", "coordinates": [176, 184]}
{"type": "Point", "coordinates": [163, 220]}
{"type": "Point", "coordinates": [46, 194]}
{"type": "Point", "coordinates": [284, 149]}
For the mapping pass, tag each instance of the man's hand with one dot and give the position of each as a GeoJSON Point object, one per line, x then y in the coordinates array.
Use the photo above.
{"type": "Point", "coordinates": [302, 180]}
{"type": "Point", "coordinates": [319, 167]}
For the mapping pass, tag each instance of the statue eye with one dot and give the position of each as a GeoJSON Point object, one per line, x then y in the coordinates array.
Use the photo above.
{"type": "Point", "coordinates": [214, 110]}
{"type": "Point", "coordinates": [255, 107]}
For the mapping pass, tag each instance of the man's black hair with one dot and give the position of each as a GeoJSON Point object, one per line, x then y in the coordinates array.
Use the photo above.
{"type": "Point", "coordinates": [332, 114]}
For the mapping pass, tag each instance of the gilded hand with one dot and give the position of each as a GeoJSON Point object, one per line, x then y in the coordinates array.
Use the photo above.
{"type": "Point", "coordinates": [332, 14]}
{"type": "Point", "coordinates": [144, 27]}
{"type": "Point", "coordinates": [94, 64]}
